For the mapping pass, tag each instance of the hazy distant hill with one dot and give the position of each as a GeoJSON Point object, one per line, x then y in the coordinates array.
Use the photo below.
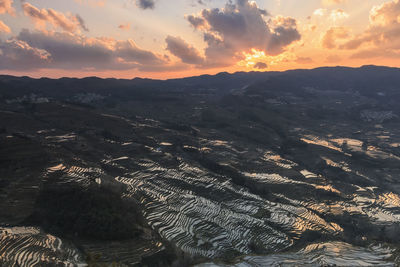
{"type": "Point", "coordinates": [328, 78]}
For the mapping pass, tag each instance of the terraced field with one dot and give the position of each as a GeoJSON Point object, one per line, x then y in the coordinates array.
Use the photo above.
{"type": "Point", "coordinates": [320, 254]}
{"type": "Point", "coordinates": [28, 246]}
{"type": "Point", "coordinates": [210, 179]}
{"type": "Point", "coordinates": [267, 208]}
{"type": "Point", "coordinates": [206, 214]}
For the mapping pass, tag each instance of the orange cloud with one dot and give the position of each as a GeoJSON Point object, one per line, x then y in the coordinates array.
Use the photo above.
{"type": "Point", "coordinates": [382, 37]}
{"type": "Point", "coordinates": [333, 59]}
{"type": "Point", "coordinates": [332, 2]}
{"type": "Point", "coordinates": [125, 27]}
{"type": "Point", "coordinates": [93, 3]}
{"type": "Point", "coordinates": [304, 60]}
{"type": "Point", "coordinates": [4, 27]}
{"type": "Point", "coordinates": [6, 7]}
{"type": "Point", "coordinates": [320, 12]}
{"type": "Point", "coordinates": [338, 14]}
{"type": "Point", "coordinates": [332, 36]}
{"type": "Point", "coordinates": [385, 14]}
{"type": "Point", "coordinates": [70, 23]}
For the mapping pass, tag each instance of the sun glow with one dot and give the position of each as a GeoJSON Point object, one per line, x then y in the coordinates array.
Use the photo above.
{"type": "Point", "coordinates": [251, 59]}
{"type": "Point", "coordinates": [255, 56]}
{"type": "Point", "coordinates": [258, 59]}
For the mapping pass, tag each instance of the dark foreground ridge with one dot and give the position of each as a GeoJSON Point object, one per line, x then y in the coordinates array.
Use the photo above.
{"type": "Point", "coordinates": [254, 168]}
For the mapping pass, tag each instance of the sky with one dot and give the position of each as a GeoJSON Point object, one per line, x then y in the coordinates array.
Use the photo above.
{"type": "Point", "coordinates": [177, 38]}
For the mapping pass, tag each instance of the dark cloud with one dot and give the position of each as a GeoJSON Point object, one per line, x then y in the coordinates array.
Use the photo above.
{"type": "Point", "coordinates": [196, 22]}
{"type": "Point", "coordinates": [260, 65]}
{"type": "Point", "coordinates": [35, 50]}
{"type": "Point", "coordinates": [179, 48]}
{"type": "Point", "coordinates": [284, 33]}
{"type": "Point", "coordinates": [81, 22]}
{"type": "Point", "coordinates": [145, 4]}
{"type": "Point", "coordinates": [240, 27]}
{"type": "Point", "coordinates": [69, 51]}
{"type": "Point", "coordinates": [131, 53]}
{"type": "Point", "coordinates": [199, 2]}
{"type": "Point", "coordinates": [19, 55]}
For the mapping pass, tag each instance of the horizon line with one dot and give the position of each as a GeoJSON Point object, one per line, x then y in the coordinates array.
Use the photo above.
{"type": "Point", "coordinates": [193, 76]}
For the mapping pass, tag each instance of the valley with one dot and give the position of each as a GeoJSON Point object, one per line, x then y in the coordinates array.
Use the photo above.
{"type": "Point", "coordinates": [245, 169]}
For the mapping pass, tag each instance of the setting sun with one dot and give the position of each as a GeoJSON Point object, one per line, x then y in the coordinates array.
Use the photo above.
{"type": "Point", "coordinates": [253, 58]}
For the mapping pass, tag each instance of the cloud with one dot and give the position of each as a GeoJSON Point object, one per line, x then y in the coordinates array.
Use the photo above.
{"type": "Point", "coordinates": [382, 36]}
{"type": "Point", "coordinates": [92, 3]}
{"type": "Point", "coordinates": [69, 23]}
{"type": "Point", "coordinates": [19, 55]}
{"type": "Point", "coordinates": [125, 27]}
{"type": "Point", "coordinates": [199, 2]}
{"type": "Point", "coordinates": [332, 2]}
{"type": "Point", "coordinates": [333, 59]}
{"type": "Point", "coordinates": [179, 48]}
{"type": "Point", "coordinates": [304, 60]}
{"type": "Point", "coordinates": [374, 53]}
{"type": "Point", "coordinates": [130, 53]}
{"type": "Point", "coordinates": [6, 7]}
{"type": "Point", "coordinates": [284, 33]}
{"type": "Point", "coordinates": [335, 15]}
{"type": "Point", "coordinates": [240, 27]}
{"type": "Point", "coordinates": [64, 50]}
{"type": "Point", "coordinates": [338, 14]}
{"type": "Point", "coordinates": [334, 34]}
{"type": "Point", "coordinates": [385, 14]}
{"type": "Point", "coordinates": [320, 12]}
{"type": "Point", "coordinates": [4, 27]}
{"type": "Point", "coordinates": [81, 22]}
{"type": "Point", "coordinates": [196, 22]}
{"type": "Point", "coordinates": [145, 4]}
{"type": "Point", "coordinates": [260, 65]}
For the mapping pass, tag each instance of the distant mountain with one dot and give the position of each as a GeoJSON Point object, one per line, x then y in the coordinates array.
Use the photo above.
{"type": "Point", "coordinates": [335, 78]}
